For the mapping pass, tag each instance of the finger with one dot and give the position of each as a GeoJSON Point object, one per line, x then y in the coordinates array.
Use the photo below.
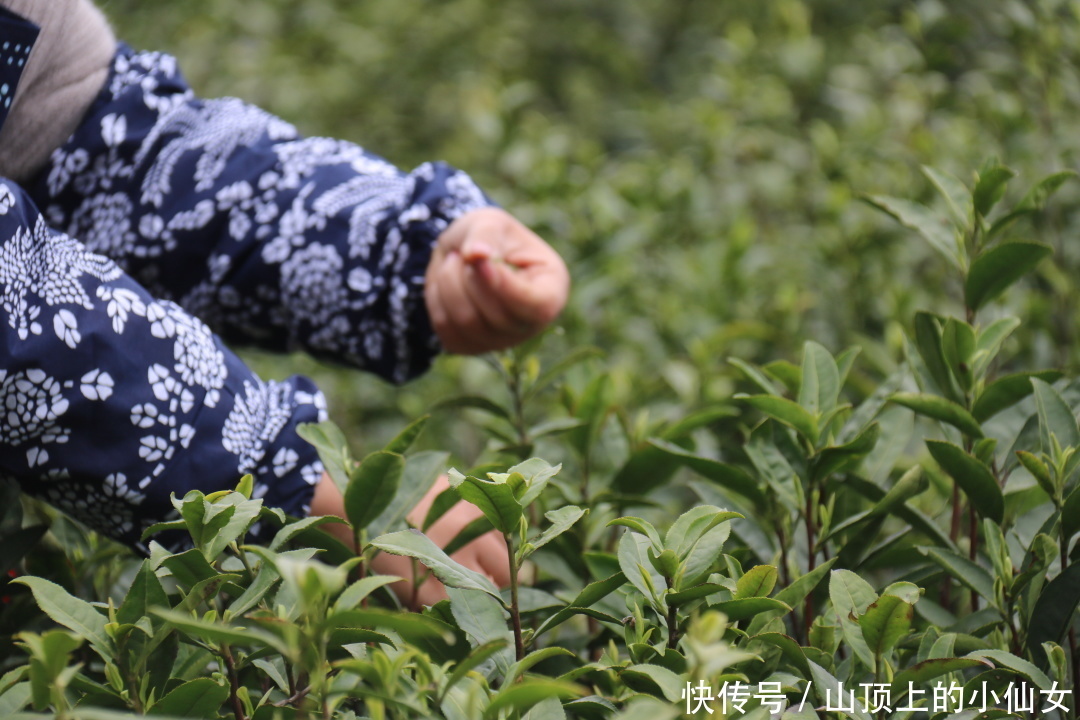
{"type": "Point", "coordinates": [482, 282]}
{"type": "Point", "coordinates": [439, 298]}
{"type": "Point", "coordinates": [464, 315]}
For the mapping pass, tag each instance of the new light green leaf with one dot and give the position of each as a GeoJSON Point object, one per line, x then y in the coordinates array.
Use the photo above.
{"type": "Point", "coordinates": [758, 581]}
{"type": "Point", "coordinates": [957, 196]}
{"type": "Point", "coordinates": [561, 519]}
{"type": "Point", "coordinates": [333, 449]}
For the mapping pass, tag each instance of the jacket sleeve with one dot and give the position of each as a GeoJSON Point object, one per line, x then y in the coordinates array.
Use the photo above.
{"type": "Point", "coordinates": [272, 239]}
{"type": "Point", "coordinates": [111, 400]}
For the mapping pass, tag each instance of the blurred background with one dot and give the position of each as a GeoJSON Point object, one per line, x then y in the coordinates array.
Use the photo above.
{"type": "Point", "coordinates": [698, 163]}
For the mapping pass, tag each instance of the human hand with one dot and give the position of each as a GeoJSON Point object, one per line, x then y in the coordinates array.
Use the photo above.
{"type": "Point", "coordinates": [486, 554]}
{"type": "Point", "coordinates": [492, 283]}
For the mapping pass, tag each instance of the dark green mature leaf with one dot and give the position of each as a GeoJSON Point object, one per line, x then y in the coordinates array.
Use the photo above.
{"type": "Point", "coordinates": [991, 188]}
{"type": "Point", "coordinates": [973, 477]}
{"type": "Point", "coordinates": [473, 402]}
{"type": "Point", "coordinates": [958, 344]}
{"type": "Point", "coordinates": [405, 439]}
{"type": "Point", "coordinates": [1033, 202]}
{"type": "Point", "coordinates": [523, 695]}
{"type": "Point", "coordinates": [920, 674]}
{"type": "Point", "coordinates": [201, 698]}
{"type": "Point", "coordinates": [648, 468]}
{"type": "Point", "coordinates": [467, 534]}
{"type": "Point", "coordinates": [999, 267]}
{"type": "Point", "coordinates": [372, 487]}
{"type": "Point", "coordinates": [928, 334]}
{"type": "Point", "coordinates": [655, 680]}
{"type": "Point", "coordinates": [1017, 664]}
{"type": "Point", "coordinates": [190, 568]}
{"type": "Point", "coordinates": [820, 386]}
{"type": "Point", "coordinates": [785, 411]}
{"type": "Point", "coordinates": [71, 612]}
{"type": "Point", "coordinates": [963, 570]}
{"type": "Point", "coordinates": [941, 409]}
{"type": "Point", "coordinates": [496, 500]}
{"type": "Point", "coordinates": [145, 593]}
{"type": "Point", "coordinates": [589, 595]}
{"type": "Point", "coordinates": [477, 657]}
{"type": "Point", "coordinates": [746, 608]}
{"type": "Point", "coordinates": [787, 645]}
{"type": "Point", "coordinates": [886, 621]}
{"type": "Point", "coordinates": [934, 227]}
{"type": "Point", "coordinates": [1070, 514]}
{"type": "Point", "coordinates": [1055, 609]}
{"type": "Point", "coordinates": [532, 659]}
{"type": "Point", "coordinates": [220, 633]}
{"type": "Point", "coordinates": [838, 458]}
{"type": "Point", "coordinates": [794, 593]}
{"type": "Point", "coordinates": [723, 474]}
{"type": "Point", "coordinates": [421, 472]}
{"type": "Point", "coordinates": [691, 525]}
{"type": "Point", "coordinates": [484, 620]}
{"type": "Point", "coordinates": [1008, 390]}
{"type": "Point", "coordinates": [415, 544]}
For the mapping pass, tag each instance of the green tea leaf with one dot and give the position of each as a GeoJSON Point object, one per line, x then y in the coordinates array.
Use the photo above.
{"type": "Point", "coordinates": [758, 581]}
{"type": "Point", "coordinates": [928, 340]}
{"type": "Point", "coordinates": [885, 622]}
{"type": "Point", "coordinates": [973, 477]}
{"type": "Point", "coordinates": [820, 385]}
{"type": "Point", "coordinates": [785, 411]}
{"type": "Point", "coordinates": [537, 656]}
{"type": "Point", "coordinates": [405, 439]}
{"type": "Point", "coordinates": [561, 520]}
{"type": "Point", "coordinates": [71, 612]}
{"type": "Point", "coordinates": [1055, 609]}
{"type": "Point", "coordinates": [415, 544]}
{"type": "Point", "coordinates": [995, 270]}
{"type": "Point", "coordinates": [1006, 391]}
{"type": "Point", "coordinates": [353, 595]}
{"type": "Point", "coordinates": [991, 188]}
{"type": "Point", "coordinates": [145, 593]}
{"type": "Point", "coordinates": [957, 196]}
{"type": "Point", "coordinates": [201, 698]}
{"type": "Point", "coordinates": [372, 487]}
{"type": "Point", "coordinates": [787, 645]}
{"type": "Point", "coordinates": [1055, 418]}
{"type": "Point", "coordinates": [1006, 659]}
{"type": "Point", "coordinates": [726, 476]}
{"type": "Point", "coordinates": [958, 344]}
{"type": "Point", "coordinates": [920, 674]}
{"type": "Point", "coordinates": [219, 633]}
{"type": "Point", "coordinates": [589, 595]}
{"type": "Point", "coordinates": [941, 409]}
{"type": "Point", "coordinates": [746, 608]}
{"type": "Point", "coordinates": [933, 226]}
{"type": "Point", "coordinates": [523, 695]}
{"type": "Point", "coordinates": [850, 594]}
{"type": "Point", "coordinates": [655, 680]}
{"type": "Point", "coordinates": [963, 570]}
{"type": "Point", "coordinates": [420, 473]}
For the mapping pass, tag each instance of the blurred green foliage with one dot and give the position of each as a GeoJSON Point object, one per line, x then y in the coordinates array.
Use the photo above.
{"type": "Point", "coordinates": [698, 163]}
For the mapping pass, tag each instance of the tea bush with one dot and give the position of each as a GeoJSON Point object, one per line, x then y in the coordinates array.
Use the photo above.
{"type": "Point", "coordinates": [826, 464]}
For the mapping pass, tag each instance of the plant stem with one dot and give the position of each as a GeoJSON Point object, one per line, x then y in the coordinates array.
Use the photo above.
{"type": "Point", "coordinates": [515, 610]}
{"type": "Point", "coordinates": [673, 627]}
{"type": "Point", "coordinates": [234, 683]}
{"type": "Point", "coordinates": [808, 606]}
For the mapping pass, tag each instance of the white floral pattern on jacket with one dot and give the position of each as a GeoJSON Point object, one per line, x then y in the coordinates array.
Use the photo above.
{"type": "Point", "coordinates": [164, 220]}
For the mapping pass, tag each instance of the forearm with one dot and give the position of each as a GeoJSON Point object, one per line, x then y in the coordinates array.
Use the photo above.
{"type": "Point", "coordinates": [284, 242]}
